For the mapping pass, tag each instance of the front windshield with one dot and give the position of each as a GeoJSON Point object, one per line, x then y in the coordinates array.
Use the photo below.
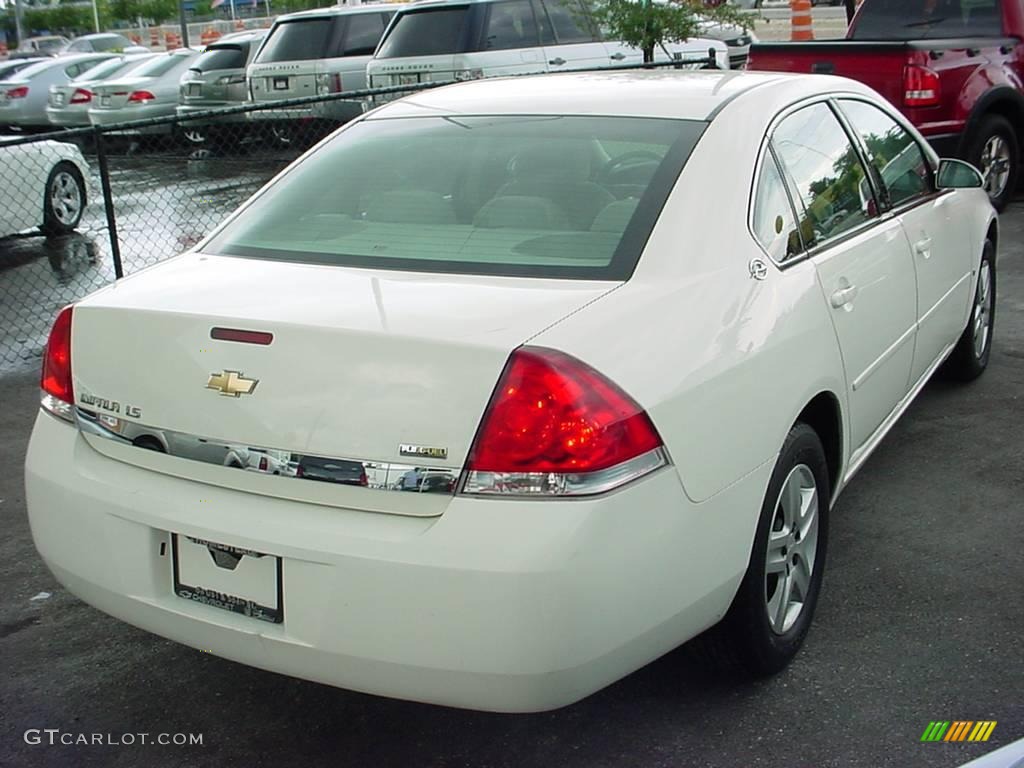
{"type": "Point", "coordinates": [543, 196]}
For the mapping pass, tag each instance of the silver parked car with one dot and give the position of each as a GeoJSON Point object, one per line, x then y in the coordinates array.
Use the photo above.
{"type": "Point", "coordinates": [69, 104]}
{"type": "Point", "coordinates": [149, 90]}
{"type": "Point", "coordinates": [23, 97]}
{"type": "Point", "coordinates": [103, 42]}
{"type": "Point", "coordinates": [216, 79]}
{"type": "Point", "coordinates": [46, 45]}
{"type": "Point", "coordinates": [317, 53]}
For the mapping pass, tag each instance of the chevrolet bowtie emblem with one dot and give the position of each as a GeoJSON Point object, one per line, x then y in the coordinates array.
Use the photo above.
{"type": "Point", "coordinates": [231, 383]}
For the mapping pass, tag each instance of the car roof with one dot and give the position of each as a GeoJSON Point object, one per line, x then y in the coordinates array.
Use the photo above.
{"type": "Point", "coordinates": [95, 35]}
{"type": "Point", "coordinates": [666, 92]}
{"type": "Point", "coordinates": [341, 10]}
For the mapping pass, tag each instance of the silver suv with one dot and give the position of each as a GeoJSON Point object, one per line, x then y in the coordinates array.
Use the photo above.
{"type": "Point", "coordinates": [216, 79]}
{"type": "Point", "coordinates": [314, 53]}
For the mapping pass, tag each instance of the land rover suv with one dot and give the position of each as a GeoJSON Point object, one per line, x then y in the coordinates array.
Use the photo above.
{"type": "Point", "coordinates": [468, 39]}
{"type": "Point", "coordinates": [314, 53]}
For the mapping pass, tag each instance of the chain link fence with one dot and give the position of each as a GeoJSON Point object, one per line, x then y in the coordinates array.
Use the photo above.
{"type": "Point", "coordinates": [81, 208]}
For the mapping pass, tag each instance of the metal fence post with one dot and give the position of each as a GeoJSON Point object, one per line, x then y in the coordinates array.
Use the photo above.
{"type": "Point", "coordinates": [108, 202]}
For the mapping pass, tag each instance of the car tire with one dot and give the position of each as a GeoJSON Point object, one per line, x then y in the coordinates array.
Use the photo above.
{"type": "Point", "coordinates": [995, 152]}
{"type": "Point", "coordinates": [191, 136]}
{"type": "Point", "coordinates": [765, 626]}
{"type": "Point", "coordinates": [64, 199]}
{"type": "Point", "coordinates": [970, 356]}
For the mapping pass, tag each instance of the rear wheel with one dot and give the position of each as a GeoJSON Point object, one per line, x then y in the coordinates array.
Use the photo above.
{"type": "Point", "coordinates": [772, 611]}
{"type": "Point", "coordinates": [969, 357]}
{"type": "Point", "coordinates": [995, 152]}
{"type": "Point", "coordinates": [64, 200]}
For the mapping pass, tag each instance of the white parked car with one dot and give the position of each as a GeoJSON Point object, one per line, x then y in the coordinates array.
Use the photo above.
{"type": "Point", "coordinates": [439, 40]}
{"type": "Point", "coordinates": [650, 405]}
{"type": "Point", "coordinates": [48, 189]}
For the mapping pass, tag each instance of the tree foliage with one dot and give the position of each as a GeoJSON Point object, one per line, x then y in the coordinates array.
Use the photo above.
{"type": "Point", "coordinates": [649, 24]}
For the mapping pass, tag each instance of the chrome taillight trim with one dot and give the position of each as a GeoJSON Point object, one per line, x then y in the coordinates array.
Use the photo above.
{"type": "Point", "coordinates": [57, 407]}
{"type": "Point", "coordinates": [547, 485]}
{"type": "Point", "coordinates": [281, 463]}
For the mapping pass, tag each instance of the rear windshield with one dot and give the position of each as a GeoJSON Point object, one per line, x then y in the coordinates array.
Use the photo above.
{"type": "Point", "coordinates": [221, 57]}
{"type": "Point", "coordinates": [110, 43]}
{"type": "Point", "coordinates": [536, 196]}
{"type": "Point", "coordinates": [298, 40]}
{"type": "Point", "coordinates": [104, 70]}
{"type": "Point", "coordinates": [928, 19]}
{"type": "Point", "coordinates": [161, 65]}
{"type": "Point", "coordinates": [425, 33]}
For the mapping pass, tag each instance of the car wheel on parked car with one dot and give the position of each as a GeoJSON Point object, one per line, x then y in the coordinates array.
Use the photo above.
{"type": "Point", "coordinates": [995, 152]}
{"type": "Point", "coordinates": [772, 611]}
{"type": "Point", "coordinates": [65, 199]}
{"type": "Point", "coordinates": [970, 355]}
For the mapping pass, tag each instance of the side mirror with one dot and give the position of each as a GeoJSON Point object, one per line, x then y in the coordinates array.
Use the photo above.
{"type": "Point", "coordinates": [956, 174]}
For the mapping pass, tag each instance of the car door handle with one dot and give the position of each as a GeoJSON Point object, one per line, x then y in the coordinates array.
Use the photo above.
{"type": "Point", "coordinates": [557, 61]}
{"type": "Point", "coordinates": [843, 296]}
{"type": "Point", "coordinates": [923, 247]}
{"type": "Point", "coordinates": [617, 56]}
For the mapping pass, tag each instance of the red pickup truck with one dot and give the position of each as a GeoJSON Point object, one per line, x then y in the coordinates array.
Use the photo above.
{"type": "Point", "coordinates": [953, 67]}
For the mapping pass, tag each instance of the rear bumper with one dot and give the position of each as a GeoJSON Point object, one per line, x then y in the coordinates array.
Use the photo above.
{"type": "Point", "coordinates": [339, 111]}
{"type": "Point", "coordinates": [68, 118]}
{"type": "Point", "coordinates": [135, 112]}
{"type": "Point", "coordinates": [187, 110]}
{"type": "Point", "coordinates": [499, 605]}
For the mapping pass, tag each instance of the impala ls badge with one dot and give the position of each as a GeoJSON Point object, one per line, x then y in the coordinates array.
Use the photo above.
{"type": "Point", "coordinates": [404, 449]}
{"type": "Point", "coordinates": [231, 383]}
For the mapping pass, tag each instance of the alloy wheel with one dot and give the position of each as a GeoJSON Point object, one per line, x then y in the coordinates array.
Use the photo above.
{"type": "Point", "coordinates": [65, 198]}
{"type": "Point", "coordinates": [995, 165]}
{"type": "Point", "coordinates": [792, 549]}
{"type": "Point", "coordinates": [982, 313]}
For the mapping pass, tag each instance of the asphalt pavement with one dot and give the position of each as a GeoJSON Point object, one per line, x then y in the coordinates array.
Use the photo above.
{"type": "Point", "coordinates": [920, 620]}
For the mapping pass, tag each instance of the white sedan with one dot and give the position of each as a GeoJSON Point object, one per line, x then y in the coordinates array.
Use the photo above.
{"type": "Point", "coordinates": [652, 322]}
{"type": "Point", "coordinates": [42, 184]}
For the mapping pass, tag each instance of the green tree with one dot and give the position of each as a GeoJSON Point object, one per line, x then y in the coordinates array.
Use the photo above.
{"type": "Point", "coordinates": [648, 24]}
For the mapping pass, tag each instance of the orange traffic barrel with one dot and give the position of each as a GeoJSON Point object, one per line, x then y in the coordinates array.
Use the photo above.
{"type": "Point", "coordinates": [239, 25]}
{"type": "Point", "coordinates": [801, 24]}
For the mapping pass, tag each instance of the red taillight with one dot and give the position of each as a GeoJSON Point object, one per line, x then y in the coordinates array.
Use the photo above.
{"type": "Point", "coordinates": [263, 464]}
{"type": "Point", "coordinates": [336, 83]}
{"type": "Point", "coordinates": [140, 96]}
{"type": "Point", "coordinates": [554, 425]}
{"type": "Point", "coordinates": [298, 471]}
{"type": "Point", "coordinates": [81, 96]}
{"type": "Point", "coordinates": [363, 480]}
{"type": "Point", "coordinates": [18, 93]}
{"type": "Point", "coordinates": [920, 86]}
{"type": "Point", "coordinates": [59, 394]}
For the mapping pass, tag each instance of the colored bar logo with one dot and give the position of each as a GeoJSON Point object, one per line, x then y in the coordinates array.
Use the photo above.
{"type": "Point", "coordinates": [958, 730]}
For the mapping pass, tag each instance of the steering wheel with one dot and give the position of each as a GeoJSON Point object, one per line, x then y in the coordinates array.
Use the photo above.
{"type": "Point", "coordinates": [628, 158]}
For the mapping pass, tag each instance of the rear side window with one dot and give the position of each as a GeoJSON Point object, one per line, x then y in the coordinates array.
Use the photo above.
{"type": "Point", "coordinates": [510, 24]}
{"type": "Point", "coordinates": [363, 34]}
{"type": "Point", "coordinates": [112, 43]}
{"type": "Point", "coordinates": [569, 21]}
{"type": "Point", "coordinates": [222, 56]}
{"type": "Point", "coordinates": [773, 222]}
{"type": "Point", "coordinates": [833, 194]}
{"type": "Point", "coordinates": [298, 40]}
{"type": "Point", "coordinates": [927, 19]}
{"type": "Point", "coordinates": [426, 33]}
{"type": "Point", "coordinates": [530, 196]}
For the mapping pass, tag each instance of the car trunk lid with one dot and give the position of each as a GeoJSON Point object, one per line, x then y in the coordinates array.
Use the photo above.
{"type": "Point", "coordinates": [361, 361]}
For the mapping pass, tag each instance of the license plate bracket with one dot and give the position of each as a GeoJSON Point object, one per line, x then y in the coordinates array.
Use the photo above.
{"type": "Point", "coordinates": [280, 83]}
{"type": "Point", "coordinates": [231, 578]}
